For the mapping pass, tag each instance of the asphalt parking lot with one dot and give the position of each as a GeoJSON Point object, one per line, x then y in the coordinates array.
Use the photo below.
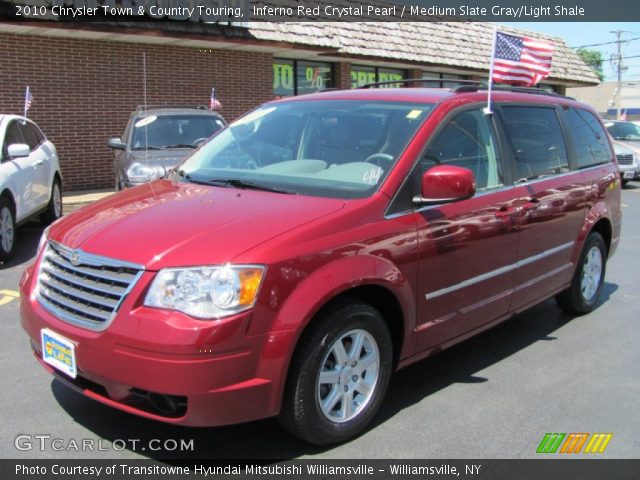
{"type": "Point", "coordinates": [494, 396]}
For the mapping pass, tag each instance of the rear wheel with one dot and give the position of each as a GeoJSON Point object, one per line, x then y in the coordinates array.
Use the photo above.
{"type": "Point", "coordinates": [7, 229]}
{"type": "Point", "coordinates": [54, 207]}
{"type": "Point", "coordinates": [339, 374]}
{"type": "Point", "coordinates": [582, 295]}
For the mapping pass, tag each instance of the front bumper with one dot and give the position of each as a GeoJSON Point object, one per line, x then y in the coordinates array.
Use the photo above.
{"type": "Point", "coordinates": [629, 172]}
{"type": "Point", "coordinates": [147, 359]}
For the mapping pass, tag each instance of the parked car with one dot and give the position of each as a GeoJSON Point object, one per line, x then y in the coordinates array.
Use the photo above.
{"type": "Point", "coordinates": [320, 243]}
{"type": "Point", "coordinates": [626, 136]}
{"type": "Point", "coordinates": [30, 179]}
{"type": "Point", "coordinates": [156, 139]}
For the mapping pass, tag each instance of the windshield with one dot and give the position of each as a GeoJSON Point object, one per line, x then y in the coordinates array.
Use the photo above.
{"type": "Point", "coordinates": [173, 131]}
{"type": "Point", "coordinates": [624, 130]}
{"type": "Point", "coordinates": [336, 148]}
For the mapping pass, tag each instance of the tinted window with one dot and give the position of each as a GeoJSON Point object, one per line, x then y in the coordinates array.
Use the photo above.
{"type": "Point", "coordinates": [173, 131]}
{"type": "Point", "coordinates": [29, 138]}
{"type": "Point", "coordinates": [624, 130]}
{"type": "Point", "coordinates": [468, 141]}
{"type": "Point", "coordinates": [588, 137]}
{"type": "Point", "coordinates": [36, 131]}
{"type": "Point", "coordinates": [13, 135]}
{"type": "Point", "coordinates": [537, 141]}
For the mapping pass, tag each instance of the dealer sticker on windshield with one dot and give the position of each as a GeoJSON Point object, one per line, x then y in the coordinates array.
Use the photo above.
{"type": "Point", "coordinates": [59, 352]}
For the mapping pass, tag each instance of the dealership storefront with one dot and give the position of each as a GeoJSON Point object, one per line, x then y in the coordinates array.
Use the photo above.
{"type": "Point", "coordinates": [86, 78]}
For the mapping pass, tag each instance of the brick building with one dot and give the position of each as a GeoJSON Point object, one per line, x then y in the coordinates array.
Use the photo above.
{"type": "Point", "coordinates": [86, 78]}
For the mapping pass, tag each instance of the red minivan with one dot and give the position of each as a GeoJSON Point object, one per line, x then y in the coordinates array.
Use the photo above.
{"type": "Point", "coordinates": [318, 244]}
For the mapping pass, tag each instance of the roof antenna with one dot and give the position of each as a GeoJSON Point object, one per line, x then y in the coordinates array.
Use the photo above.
{"type": "Point", "coordinates": [146, 129]}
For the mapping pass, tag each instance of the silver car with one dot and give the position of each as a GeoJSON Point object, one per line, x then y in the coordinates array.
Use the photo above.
{"type": "Point", "coordinates": [626, 142]}
{"type": "Point", "coordinates": [157, 139]}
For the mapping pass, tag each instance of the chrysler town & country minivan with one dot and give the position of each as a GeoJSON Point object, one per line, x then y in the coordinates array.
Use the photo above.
{"type": "Point", "coordinates": [318, 244]}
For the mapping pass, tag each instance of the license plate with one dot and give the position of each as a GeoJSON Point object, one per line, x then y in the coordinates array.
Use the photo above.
{"type": "Point", "coordinates": [59, 352]}
{"type": "Point", "coordinates": [629, 174]}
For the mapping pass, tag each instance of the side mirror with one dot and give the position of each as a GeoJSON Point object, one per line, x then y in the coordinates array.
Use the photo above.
{"type": "Point", "coordinates": [446, 184]}
{"type": "Point", "coordinates": [116, 143]}
{"type": "Point", "coordinates": [17, 150]}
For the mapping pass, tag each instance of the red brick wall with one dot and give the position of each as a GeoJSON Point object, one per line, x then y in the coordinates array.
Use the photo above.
{"type": "Point", "coordinates": [85, 90]}
{"type": "Point", "coordinates": [342, 75]}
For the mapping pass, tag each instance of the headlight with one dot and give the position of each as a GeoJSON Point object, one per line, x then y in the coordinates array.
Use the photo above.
{"type": "Point", "coordinates": [206, 292]}
{"type": "Point", "coordinates": [137, 172]}
{"type": "Point", "coordinates": [43, 240]}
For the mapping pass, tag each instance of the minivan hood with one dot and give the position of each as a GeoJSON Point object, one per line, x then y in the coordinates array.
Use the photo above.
{"type": "Point", "coordinates": [162, 224]}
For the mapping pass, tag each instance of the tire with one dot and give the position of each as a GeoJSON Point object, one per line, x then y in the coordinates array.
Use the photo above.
{"type": "Point", "coordinates": [319, 412]}
{"type": "Point", "coordinates": [54, 207]}
{"type": "Point", "coordinates": [624, 182]}
{"type": "Point", "coordinates": [7, 229]}
{"type": "Point", "coordinates": [582, 295]}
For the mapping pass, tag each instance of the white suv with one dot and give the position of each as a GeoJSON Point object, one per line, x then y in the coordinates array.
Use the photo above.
{"type": "Point", "coordinates": [30, 180]}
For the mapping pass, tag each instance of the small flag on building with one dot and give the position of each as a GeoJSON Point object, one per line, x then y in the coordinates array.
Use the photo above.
{"type": "Point", "coordinates": [28, 98]}
{"type": "Point", "coordinates": [520, 60]}
{"type": "Point", "coordinates": [215, 104]}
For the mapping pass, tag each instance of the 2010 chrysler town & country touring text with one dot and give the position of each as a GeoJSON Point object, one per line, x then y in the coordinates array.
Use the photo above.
{"type": "Point", "coordinates": [319, 243]}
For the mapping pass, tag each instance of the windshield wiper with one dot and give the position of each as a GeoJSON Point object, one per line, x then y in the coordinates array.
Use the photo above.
{"type": "Point", "coordinates": [230, 182]}
{"type": "Point", "coordinates": [180, 145]}
{"type": "Point", "coordinates": [237, 183]}
{"type": "Point", "coordinates": [149, 147]}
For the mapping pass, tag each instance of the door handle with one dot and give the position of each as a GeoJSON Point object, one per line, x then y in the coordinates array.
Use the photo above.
{"type": "Point", "coordinates": [38, 163]}
{"type": "Point", "coordinates": [506, 212]}
{"type": "Point", "coordinates": [531, 204]}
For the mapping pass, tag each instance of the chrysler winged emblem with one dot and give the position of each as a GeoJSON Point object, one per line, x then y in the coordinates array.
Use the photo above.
{"type": "Point", "coordinates": [75, 258]}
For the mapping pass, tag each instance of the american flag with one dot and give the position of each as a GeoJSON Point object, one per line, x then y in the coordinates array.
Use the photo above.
{"type": "Point", "coordinates": [215, 104]}
{"type": "Point", "coordinates": [521, 60]}
{"type": "Point", "coordinates": [28, 98]}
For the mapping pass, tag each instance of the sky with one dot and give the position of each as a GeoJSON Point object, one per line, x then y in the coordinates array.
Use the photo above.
{"type": "Point", "coordinates": [578, 34]}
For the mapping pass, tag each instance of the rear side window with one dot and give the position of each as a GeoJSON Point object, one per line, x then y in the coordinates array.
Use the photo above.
{"type": "Point", "coordinates": [588, 137]}
{"type": "Point", "coordinates": [538, 144]}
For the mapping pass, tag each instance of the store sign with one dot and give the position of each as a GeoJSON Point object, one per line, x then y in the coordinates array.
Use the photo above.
{"type": "Point", "coordinates": [310, 77]}
{"type": "Point", "coordinates": [363, 76]}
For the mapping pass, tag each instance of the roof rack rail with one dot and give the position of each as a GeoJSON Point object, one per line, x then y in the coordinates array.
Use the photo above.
{"type": "Point", "coordinates": [511, 88]}
{"type": "Point", "coordinates": [150, 107]}
{"type": "Point", "coordinates": [477, 83]}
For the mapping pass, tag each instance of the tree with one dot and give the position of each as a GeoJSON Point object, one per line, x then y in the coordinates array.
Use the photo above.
{"type": "Point", "coordinates": [593, 58]}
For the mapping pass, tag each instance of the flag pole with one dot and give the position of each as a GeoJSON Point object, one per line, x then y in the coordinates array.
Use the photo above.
{"type": "Point", "coordinates": [26, 99]}
{"type": "Point", "coordinates": [487, 110]}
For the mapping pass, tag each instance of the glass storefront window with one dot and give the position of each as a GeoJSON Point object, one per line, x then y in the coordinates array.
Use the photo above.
{"type": "Point", "coordinates": [442, 78]}
{"type": "Point", "coordinates": [361, 75]}
{"type": "Point", "coordinates": [293, 77]}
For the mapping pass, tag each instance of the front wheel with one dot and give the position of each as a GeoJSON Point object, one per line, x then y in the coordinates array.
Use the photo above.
{"type": "Point", "coordinates": [7, 230]}
{"type": "Point", "coordinates": [54, 207]}
{"type": "Point", "coordinates": [582, 295]}
{"type": "Point", "coordinates": [339, 374]}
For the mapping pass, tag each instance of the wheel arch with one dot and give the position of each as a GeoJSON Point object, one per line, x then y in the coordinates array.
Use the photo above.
{"type": "Point", "coordinates": [8, 194]}
{"type": "Point", "coordinates": [370, 279]}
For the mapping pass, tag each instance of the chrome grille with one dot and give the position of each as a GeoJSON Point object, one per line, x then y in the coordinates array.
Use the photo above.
{"type": "Point", "coordinates": [81, 288]}
{"type": "Point", "coordinates": [625, 159]}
